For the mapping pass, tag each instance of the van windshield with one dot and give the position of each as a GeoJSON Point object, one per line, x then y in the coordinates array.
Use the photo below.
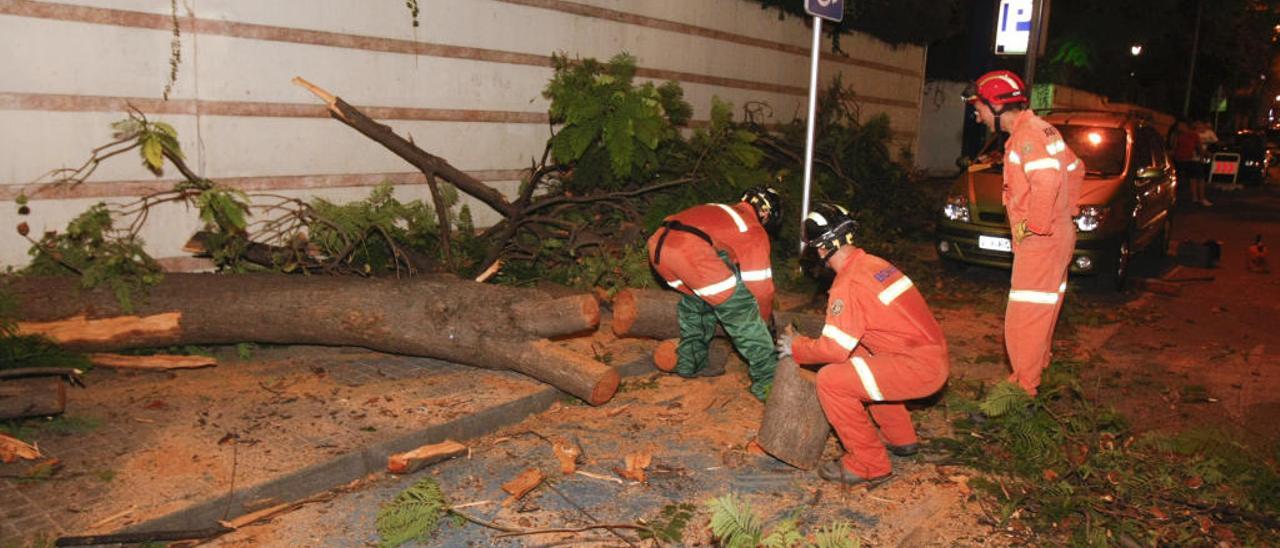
{"type": "Point", "coordinates": [1101, 148]}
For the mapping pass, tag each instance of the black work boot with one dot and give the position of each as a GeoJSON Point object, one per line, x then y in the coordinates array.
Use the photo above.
{"type": "Point", "coordinates": [907, 450]}
{"type": "Point", "coordinates": [713, 369]}
{"type": "Point", "coordinates": [835, 471]}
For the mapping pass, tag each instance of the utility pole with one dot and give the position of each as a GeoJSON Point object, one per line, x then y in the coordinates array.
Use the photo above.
{"type": "Point", "coordinates": [1195, 52]}
{"type": "Point", "coordinates": [1033, 43]}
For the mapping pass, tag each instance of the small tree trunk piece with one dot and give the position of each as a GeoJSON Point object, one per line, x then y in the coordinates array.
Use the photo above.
{"type": "Point", "coordinates": [794, 429]}
{"type": "Point", "coordinates": [32, 397]}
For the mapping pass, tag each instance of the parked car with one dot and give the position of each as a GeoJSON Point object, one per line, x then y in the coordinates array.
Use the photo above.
{"type": "Point", "coordinates": [1125, 206]}
{"type": "Point", "coordinates": [1248, 150]}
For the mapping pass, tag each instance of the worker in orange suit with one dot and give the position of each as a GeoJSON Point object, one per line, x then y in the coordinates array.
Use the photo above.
{"type": "Point", "coordinates": [718, 256]}
{"type": "Point", "coordinates": [1042, 179]}
{"type": "Point", "coordinates": [880, 345]}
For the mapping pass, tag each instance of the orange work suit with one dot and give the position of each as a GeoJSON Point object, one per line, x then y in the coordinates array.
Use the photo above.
{"type": "Point", "coordinates": [1042, 179]}
{"type": "Point", "coordinates": [883, 347]}
{"type": "Point", "coordinates": [692, 266]}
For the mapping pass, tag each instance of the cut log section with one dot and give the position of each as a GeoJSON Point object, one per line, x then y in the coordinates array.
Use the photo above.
{"type": "Point", "coordinates": [158, 362]}
{"type": "Point", "coordinates": [411, 461]}
{"type": "Point", "coordinates": [794, 429]}
{"type": "Point", "coordinates": [664, 356]}
{"type": "Point", "coordinates": [32, 397]}
{"type": "Point", "coordinates": [440, 316]}
{"type": "Point", "coordinates": [651, 313]}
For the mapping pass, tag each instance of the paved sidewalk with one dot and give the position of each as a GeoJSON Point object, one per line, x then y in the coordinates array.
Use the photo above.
{"type": "Point", "coordinates": [182, 449]}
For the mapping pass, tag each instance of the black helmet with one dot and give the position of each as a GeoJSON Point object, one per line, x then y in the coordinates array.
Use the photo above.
{"type": "Point", "coordinates": [768, 205]}
{"type": "Point", "coordinates": [828, 227]}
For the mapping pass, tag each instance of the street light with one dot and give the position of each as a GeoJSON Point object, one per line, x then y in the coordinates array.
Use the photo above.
{"type": "Point", "coordinates": [1136, 49]}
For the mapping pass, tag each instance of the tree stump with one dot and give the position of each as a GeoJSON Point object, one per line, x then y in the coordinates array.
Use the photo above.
{"type": "Point", "coordinates": [794, 429]}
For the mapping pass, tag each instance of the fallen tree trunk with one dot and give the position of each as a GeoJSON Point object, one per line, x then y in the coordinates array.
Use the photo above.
{"type": "Point", "coordinates": [441, 317]}
{"type": "Point", "coordinates": [32, 397]}
{"type": "Point", "coordinates": [794, 429]}
{"type": "Point", "coordinates": [651, 313]}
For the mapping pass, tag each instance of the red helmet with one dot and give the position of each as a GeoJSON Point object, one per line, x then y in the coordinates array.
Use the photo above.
{"type": "Point", "coordinates": [998, 87]}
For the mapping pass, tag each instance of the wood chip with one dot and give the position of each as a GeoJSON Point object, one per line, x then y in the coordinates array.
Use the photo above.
{"type": "Point", "coordinates": [12, 449]}
{"type": "Point", "coordinates": [522, 484]}
{"type": "Point", "coordinates": [636, 464]}
{"type": "Point", "coordinates": [568, 453]}
{"type": "Point", "coordinates": [411, 461]}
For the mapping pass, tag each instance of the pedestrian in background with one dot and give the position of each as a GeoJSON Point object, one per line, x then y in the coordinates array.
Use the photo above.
{"type": "Point", "coordinates": [1208, 138]}
{"type": "Point", "coordinates": [1042, 182]}
{"type": "Point", "coordinates": [1187, 160]}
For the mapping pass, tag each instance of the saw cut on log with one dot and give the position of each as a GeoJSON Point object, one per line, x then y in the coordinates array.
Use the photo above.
{"type": "Point", "coordinates": [794, 429]}
{"type": "Point", "coordinates": [442, 317]}
{"type": "Point", "coordinates": [651, 313]}
{"type": "Point", "coordinates": [664, 356]}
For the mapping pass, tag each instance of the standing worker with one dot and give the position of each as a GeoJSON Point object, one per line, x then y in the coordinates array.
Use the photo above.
{"type": "Point", "coordinates": [1042, 179]}
{"type": "Point", "coordinates": [881, 344]}
{"type": "Point", "coordinates": [718, 256]}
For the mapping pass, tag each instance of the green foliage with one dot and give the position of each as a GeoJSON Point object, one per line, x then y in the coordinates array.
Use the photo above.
{"type": "Point", "coordinates": [610, 128]}
{"type": "Point", "coordinates": [837, 535]}
{"type": "Point", "coordinates": [154, 140]}
{"type": "Point", "coordinates": [245, 351]}
{"type": "Point", "coordinates": [413, 515]}
{"type": "Point", "coordinates": [853, 166]}
{"type": "Point", "coordinates": [366, 234]}
{"type": "Point", "coordinates": [783, 535]}
{"type": "Point", "coordinates": [1073, 472]}
{"type": "Point", "coordinates": [734, 523]}
{"type": "Point", "coordinates": [92, 248]}
{"type": "Point", "coordinates": [669, 526]}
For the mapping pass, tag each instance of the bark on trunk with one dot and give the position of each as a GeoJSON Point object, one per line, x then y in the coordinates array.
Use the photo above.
{"type": "Point", "coordinates": [794, 429]}
{"type": "Point", "coordinates": [441, 317]}
{"type": "Point", "coordinates": [32, 397]}
{"type": "Point", "coordinates": [651, 313]}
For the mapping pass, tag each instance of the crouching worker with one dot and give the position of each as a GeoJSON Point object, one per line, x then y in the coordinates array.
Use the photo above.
{"type": "Point", "coordinates": [881, 346]}
{"type": "Point", "coordinates": [718, 256]}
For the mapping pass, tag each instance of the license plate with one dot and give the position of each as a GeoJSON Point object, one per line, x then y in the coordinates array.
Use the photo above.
{"type": "Point", "coordinates": [995, 244]}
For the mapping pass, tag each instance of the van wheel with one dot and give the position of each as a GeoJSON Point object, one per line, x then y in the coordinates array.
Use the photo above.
{"type": "Point", "coordinates": [1161, 244]}
{"type": "Point", "coordinates": [1117, 273]}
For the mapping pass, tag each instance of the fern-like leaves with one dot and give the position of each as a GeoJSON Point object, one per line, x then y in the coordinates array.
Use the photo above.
{"type": "Point", "coordinates": [836, 535]}
{"type": "Point", "coordinates": [414, 514]}
{"type": "Point", "coordinates": [734, 522]}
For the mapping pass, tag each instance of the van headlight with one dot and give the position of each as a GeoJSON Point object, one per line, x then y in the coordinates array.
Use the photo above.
{"type": "Point", "coordinates": [957, 208]}
{"type": "Point", "coordinates": [1090, 218]}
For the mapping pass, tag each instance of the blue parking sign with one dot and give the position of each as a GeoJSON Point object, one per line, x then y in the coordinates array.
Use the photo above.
{"type": "Point", "coordinates": [831, 10]}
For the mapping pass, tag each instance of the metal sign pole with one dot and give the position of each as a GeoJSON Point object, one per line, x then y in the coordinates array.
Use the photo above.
{"type": "Point", "coordinates": [813, 107]}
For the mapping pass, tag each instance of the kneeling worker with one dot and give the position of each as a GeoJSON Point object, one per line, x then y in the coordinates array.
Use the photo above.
{"type": "Point", "coordinates": [718, 256]}
{"type": "Point", "coordinates": [881, 345]}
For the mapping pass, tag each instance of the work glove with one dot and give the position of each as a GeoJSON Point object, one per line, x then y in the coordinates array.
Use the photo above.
{"type": "Point", "coordinates": [784, 345]}
{"type": "Point", "coordinates": [1020, 231]}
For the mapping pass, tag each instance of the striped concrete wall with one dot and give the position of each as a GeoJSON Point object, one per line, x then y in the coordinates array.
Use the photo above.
{"type": "Point", "coordinates": [466, 84]}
